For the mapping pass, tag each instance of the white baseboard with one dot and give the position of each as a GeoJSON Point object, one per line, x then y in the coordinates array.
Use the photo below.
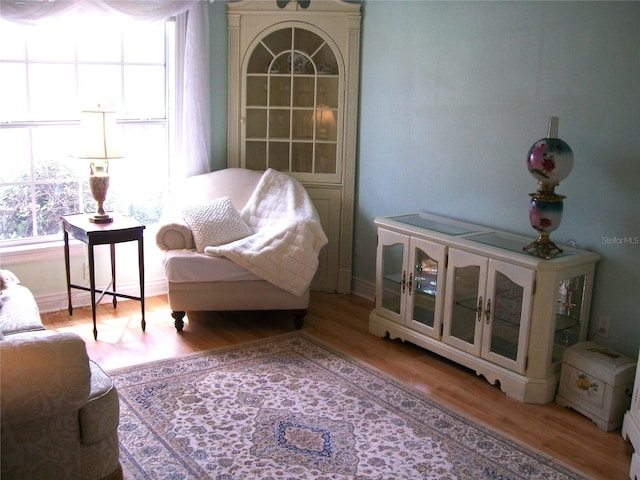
{"type": "Point", "coordinates": [363, 289]}
{"type": "Point", "coordinates": [54, 302]}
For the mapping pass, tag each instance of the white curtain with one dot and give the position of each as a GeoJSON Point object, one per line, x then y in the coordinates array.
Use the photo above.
{"type": "Point", "coordinates": [193, 131]}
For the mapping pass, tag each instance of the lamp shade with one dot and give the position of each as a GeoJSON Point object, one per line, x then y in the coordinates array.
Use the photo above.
{"type": "Point", "coordinates": [99, 135]}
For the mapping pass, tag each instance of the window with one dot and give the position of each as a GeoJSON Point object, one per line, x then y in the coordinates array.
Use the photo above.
{"type": "Point", "coordinates": [49, 74]}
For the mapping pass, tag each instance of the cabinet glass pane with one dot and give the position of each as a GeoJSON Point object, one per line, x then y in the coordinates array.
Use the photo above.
{"type": "Point", "coordinates": [279, 40]}
{"type": "Point", "coordinates": [301, 157]}
{"type": "Point", "coordinates": [325, 61]}
{"type": "Point", "coordinates": [303, 91]}
{"type": "Point", "coordinates": [507, 312]}
{"type": "Point", "coordinates": [256, 155]}
{"type": "Point", "coordinates": [328, 91]}
{"type": "Point", "coordinates": [326, 124]}
{"type": "Point", "coordinates": [425, 288]}
{"type": "Point", "coordinates": [326, 158]}
{"type": "Point", "coordinates": [569, 312]}
{"type": "Point", "coordinates": [279, 156]}
{"type": "Point", "coordinates": [392, 276]}
{"type": "Point", "coordinates": [279, 124]}
{"type": "Point", "coordinates": [257, 91]}
{"type": "Point", "coordinates": [280, 91]}
{"type": "Point", "coordinates": [465, 296]}
{"type": "Point", "coordinates": [279, 64]}
{"type": "Point", "coordinates": [260, 60]}
{"type": "Point", "coordinates": [256, 123]}
{"type": "Point", "coordinates": [306, 41]}
{"type": "Point", "coordinates": [302, 125]}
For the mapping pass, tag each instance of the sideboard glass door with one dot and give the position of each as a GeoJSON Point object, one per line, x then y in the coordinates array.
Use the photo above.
{"type": "Point", "coordinates": [465, 300]}
{"type": "Point", "coordinates": [506, 314]}
{"type": "Point", "coordinates": [391, 287]}
{"type": "Point", "coordinates": [426, 282]}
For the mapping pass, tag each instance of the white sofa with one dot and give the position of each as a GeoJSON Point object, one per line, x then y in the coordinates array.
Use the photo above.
{"type": "Point", "coordinates": [60, 411]}
{"type": "Point", "coordinates": [200, 282]}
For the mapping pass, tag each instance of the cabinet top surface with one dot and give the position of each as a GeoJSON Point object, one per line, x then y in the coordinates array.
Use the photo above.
{"type": "Point", "coordinates": [467, 234]}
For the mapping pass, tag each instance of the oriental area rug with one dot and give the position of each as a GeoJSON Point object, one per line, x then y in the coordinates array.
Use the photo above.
{"type": "Point", "coordinates": [290, 407]}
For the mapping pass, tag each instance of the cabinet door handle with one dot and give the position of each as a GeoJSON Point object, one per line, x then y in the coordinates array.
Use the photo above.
{"type": "Point", "coordinates": [404, 280]}
{"type": "Point", "coordinates": [487, 312]}
{"type": "Point", "coordinates": [410, 284]}
{"type": "Point", "coordinates": [479, 310]}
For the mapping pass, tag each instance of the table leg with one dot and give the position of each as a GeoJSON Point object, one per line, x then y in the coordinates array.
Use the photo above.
{"type": "Point", "coordinates": [112, 248]}
{"type": "Point", "coordinates": [67, 270]}
{"type": "Point", "coordinates": [92, 286]}
{"type": "Point", "coordinates": [143, 323]}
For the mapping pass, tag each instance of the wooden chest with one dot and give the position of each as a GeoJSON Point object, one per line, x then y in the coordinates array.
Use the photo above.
{"type": "Point", "coordinates": [596, 382]}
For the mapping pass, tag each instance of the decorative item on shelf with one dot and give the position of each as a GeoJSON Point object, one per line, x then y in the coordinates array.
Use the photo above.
{"type": "Point", "coordinates": [325, 68]}
{"type": "Point", "coordinates": [100, 141]}
{"type": "Point", "coordinates": [550, 161]}
{"type": "Point", "coordinates": [298, 62]}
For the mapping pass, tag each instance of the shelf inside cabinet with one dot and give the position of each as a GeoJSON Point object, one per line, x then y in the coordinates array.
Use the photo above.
{"type": "Point", "coordinates": [428, 289]}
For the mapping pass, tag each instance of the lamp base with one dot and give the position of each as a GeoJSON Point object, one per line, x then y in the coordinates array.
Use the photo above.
{"type": "Point", "coordinates": [100, 219]}
{"type": "Point", "coordinates": [543, 248]}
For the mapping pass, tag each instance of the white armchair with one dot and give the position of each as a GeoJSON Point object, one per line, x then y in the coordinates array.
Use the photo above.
{"type": "Point", "coordinates": [200, 278]}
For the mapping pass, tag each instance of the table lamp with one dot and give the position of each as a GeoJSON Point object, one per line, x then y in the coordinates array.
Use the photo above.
{"type": "Point", "coordinates": [100, 141]}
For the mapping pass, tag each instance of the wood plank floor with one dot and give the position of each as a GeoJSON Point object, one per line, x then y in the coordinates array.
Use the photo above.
{"type": "Point", "coordinates": [341, 321]}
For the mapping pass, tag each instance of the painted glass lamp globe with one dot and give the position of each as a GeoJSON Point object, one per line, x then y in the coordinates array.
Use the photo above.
{"type": "Point", "coordinates": [549, 160]}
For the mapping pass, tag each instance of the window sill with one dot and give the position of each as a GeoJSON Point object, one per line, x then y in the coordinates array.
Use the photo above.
{"type": "Point", "coordinates": [37, 252]}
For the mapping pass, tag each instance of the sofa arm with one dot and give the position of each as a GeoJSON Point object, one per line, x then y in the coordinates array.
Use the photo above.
{"type": "Point", "coordinates": [174, 235]}
{"type": "Point", "coordinates": [42, 373]}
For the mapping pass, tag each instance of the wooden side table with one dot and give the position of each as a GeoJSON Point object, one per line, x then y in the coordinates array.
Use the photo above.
{"type": "Point", "coordinates": [122, 229]}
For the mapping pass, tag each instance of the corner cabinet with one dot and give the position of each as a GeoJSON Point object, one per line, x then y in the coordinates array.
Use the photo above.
{"type": "Point", "coordinates": [293, 91]}
{"type": "Point", "coordinates": [631, 428]}
{"type": "Point", "coordinates": [470, 294]}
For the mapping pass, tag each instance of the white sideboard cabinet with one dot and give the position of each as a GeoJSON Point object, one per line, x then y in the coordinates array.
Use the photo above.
{"type": "Point", "coordinates": [631, 427]}
{"type": "Point", "coordinates": [470, 294]}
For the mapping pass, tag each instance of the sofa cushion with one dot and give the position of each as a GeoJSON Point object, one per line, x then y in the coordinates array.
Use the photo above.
{"type": "Point", "coordinates": [19, 312]}
{"type": "Point", "coordinates": [42, 374]}
{"type": "Point", "coordinates": [100, 416]}
{"type": "Point", "coordinates": [215, 223]}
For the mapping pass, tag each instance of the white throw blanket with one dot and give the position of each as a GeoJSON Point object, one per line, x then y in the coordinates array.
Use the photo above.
{"type": "Point", "coordinates": [288, 236]}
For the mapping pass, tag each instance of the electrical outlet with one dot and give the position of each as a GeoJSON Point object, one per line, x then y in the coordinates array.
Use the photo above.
{"type": "Point", "coordinates": [603, 327]}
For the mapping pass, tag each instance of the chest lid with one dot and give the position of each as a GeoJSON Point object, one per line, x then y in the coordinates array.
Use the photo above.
{"type": "Point", "coordinates": [601, 362]}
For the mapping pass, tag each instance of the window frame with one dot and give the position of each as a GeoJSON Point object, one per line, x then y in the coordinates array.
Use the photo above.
{"type": "Point", "coordinates": [15, 248]}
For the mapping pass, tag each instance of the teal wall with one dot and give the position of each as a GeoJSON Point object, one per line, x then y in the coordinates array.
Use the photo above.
{"type": "Point", "coordinates": [452, 96]}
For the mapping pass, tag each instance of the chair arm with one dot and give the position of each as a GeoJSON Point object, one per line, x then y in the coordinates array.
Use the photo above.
{"type": "Point", "coordinates": [174, 235]}
{"type": "Point", "coordinates": [42, 373]}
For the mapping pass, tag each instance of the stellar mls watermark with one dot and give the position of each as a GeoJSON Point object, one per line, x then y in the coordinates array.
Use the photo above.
{"type": "Point", "coordinates": [628, 240]}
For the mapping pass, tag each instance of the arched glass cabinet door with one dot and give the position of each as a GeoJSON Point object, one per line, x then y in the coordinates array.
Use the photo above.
{"type": "Point", "coordinates": [292, 105]}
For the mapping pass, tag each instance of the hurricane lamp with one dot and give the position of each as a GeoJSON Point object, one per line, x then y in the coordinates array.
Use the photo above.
{"type": "Point", "coordinates": [550, 161]}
